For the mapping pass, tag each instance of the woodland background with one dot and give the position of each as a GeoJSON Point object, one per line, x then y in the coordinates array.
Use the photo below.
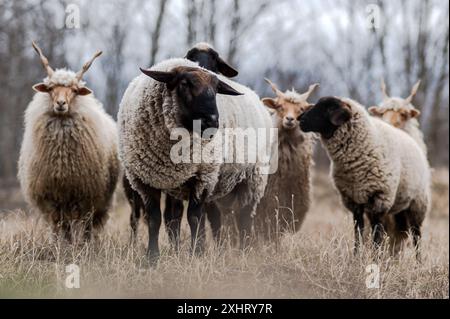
{"type": "Point", "coordinates": [293, 42]}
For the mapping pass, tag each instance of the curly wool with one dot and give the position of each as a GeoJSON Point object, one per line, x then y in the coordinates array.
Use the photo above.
{"type": "Point", "coordinates": [148, 112]}
{"type": "Point", "coordinates": [288, 193]}
{"type": "Point", "coordinates": [69, 166]}
{"type": "Point", "coordinates": [373, 161]}
{"type": "Point", "coordinates": [63, 77]}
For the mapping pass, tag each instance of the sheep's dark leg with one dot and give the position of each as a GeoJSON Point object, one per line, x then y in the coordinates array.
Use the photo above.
{"type": "Point", "coordinates": [400, 230]}
{"type": "Point", "coordinates": [377, 228]}
{"type": "Point", "coordinates": [214, 217]}
{"type": "Point", "coordinates": [417, 235]}
{"type": "Point", "coordinates": [173, 214]}
{"type": "Point", "coordinates": [358, 217]}
{"type": "Point", "coordinates": [153, 218]}
{"type": "Point", "coordinates": [245, 226]}
{"type": "Point", "coordinates": [196, 222]}
{"type": "Point", "coordinates": [136, 206]}
{"type": "Point", "coordinates": [87, 230]}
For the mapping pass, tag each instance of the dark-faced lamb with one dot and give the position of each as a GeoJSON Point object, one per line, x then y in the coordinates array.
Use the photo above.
{"type": "Point", "coordinates": [378, 170]}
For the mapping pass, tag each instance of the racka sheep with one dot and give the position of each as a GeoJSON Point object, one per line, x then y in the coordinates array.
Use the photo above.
{"type": "Point", "coordinates": [288, 192]}
{"type": "Point", "coordinates": [68, 164]}
{"type": "Point", "coordinates": [379, 170]}
{"type": "Point", "coordinates": [401, 113]}
{"type": "Point", "coordinates": [173, 95]}
{"type": "Point", "coordinates": [207, 57]}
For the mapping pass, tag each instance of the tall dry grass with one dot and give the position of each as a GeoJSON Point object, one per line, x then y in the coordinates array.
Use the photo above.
{"type": "Point", "coordinates": [318, 262]}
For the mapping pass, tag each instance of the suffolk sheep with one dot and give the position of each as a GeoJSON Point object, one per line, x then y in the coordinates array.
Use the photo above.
{"type": "Point", "coordinates": [207, 57]}
{"type": "Point", "coordinates": [288, 192]}
{"type": "Point", "coordinates": [401, 113]}
{"type": "Point", "coordinates": [68, 166]}
{"type": "Point", "coordinates": [177, 94]}
{"type": "Point", "coordinates": [378, 170]}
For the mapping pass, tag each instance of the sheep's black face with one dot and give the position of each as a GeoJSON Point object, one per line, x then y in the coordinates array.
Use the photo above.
{"type": "Point", "coordinates": [196, 90]}
{"type": "Point", "coordinates": [325, 117]}
{"type": "Point", "coordinates": [209, 59]}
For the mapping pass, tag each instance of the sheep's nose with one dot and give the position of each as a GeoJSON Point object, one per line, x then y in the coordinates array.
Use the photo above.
{"type": "Point", "coordinates": [213, 121]}
{"type": "Point", "coordinates": [61, 103]}
{"type": "Point", "coordinates": [289, 119]}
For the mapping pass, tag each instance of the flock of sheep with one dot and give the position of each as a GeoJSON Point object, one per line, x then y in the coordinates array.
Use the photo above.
{"type": "Point", "coordinates": [73, 155]}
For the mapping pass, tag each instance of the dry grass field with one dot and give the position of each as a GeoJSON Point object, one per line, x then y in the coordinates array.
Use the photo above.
{"type": "Point", "coordinates": [318, 262]}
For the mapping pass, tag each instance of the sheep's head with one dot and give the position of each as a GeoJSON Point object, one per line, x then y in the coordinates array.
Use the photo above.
{"type": "Point", "coordinates": [208, 58]}
{"type": "Point", "coordinates": [396, 111]}
{"type": "Point", "coordinates": [289, 105]}
{"type": "Point", "coordinates": [196, 91]}
{"type": "Point", "coordinates": [326, 116]}
{"type": "Point", "coordinates": [62, 85]}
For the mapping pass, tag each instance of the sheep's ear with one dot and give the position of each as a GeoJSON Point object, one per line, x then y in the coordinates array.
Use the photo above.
{"type": "Point", "coordinates": [225, 68]}
{"type": "Point", "coordinates": [341, 115]}
{"type": "Point", "coordinates": [375, 110]}
{"type": "Point", "coordinates": [84, 91]}
{"type": "Point", "coordinates": [223, 88]}
{"type": "Point", "coordinates": [414, 113]}
{"type": "Point", "coordinates": [169, 78]}
{"type": "Point", "coordinates": [41, 87]}
{"type": "Point", "coordinates": [270, 103]}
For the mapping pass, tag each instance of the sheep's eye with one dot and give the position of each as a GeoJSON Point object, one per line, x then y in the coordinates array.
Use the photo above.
{"type": "Point", "coordinates": [184, 84]}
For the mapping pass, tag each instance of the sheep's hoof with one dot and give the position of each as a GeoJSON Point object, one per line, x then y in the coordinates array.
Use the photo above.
{"type": "Point", "coordinates": [198, 250]}
{"type": "Point", "coordinates": [152, 258]}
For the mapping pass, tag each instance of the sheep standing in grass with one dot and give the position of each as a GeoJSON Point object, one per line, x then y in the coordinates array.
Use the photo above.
{"type": "Point", "coordinates": [68, 164]}
{"type": "Point", "coordinates": [401, 113]}
{"type": "Point", "coordinates": [288, 192]}
{"type": "Point", "coordinates": [206, 57]}
{"type": "Point", "coordinates": [170, 96]}
{"type": "Point", "coordinates": [378, 170]}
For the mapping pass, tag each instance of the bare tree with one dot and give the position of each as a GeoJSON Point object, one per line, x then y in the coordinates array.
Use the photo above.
{"type": "Point", "coordinates": [156, 33]}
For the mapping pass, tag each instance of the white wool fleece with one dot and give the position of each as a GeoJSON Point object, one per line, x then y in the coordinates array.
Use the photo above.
{"type": "Point", "coordinates": [147, 114]}
{"type": "Point", "coordinates": [74, 157]}
{"type": "Point", "coordinates": [371, 157]}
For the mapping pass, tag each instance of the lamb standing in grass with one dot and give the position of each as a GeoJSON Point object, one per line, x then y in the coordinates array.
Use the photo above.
{"type": "Point", "coordinates": [68, 166]}
{"type": "Point", "coordinates": [378, 170]}
{"type": "Point", "coordinates": [401, 113]}
{"type": "Point", "coordinates": [288, 192]}
{"type": "Point", "coordinates": [172, 95]}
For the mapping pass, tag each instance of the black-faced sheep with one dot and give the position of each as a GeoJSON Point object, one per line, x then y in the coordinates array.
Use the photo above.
{"type": "Point", "coordinates": [288, 192]}
{"type": "Point", "coordinates": [172, 95]}
{"type": "Point", "coordinates": [378, 170]}
{"type": "Point", "coordinates": [68, 164]}
{"type": "Point", "coordinates": [401, 113]}
{"type": "Point", "coordinates": [207, 57]}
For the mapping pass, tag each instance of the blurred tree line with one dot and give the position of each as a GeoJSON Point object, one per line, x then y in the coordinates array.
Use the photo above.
{"type": "Point", "coordinates": [345, 45]}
